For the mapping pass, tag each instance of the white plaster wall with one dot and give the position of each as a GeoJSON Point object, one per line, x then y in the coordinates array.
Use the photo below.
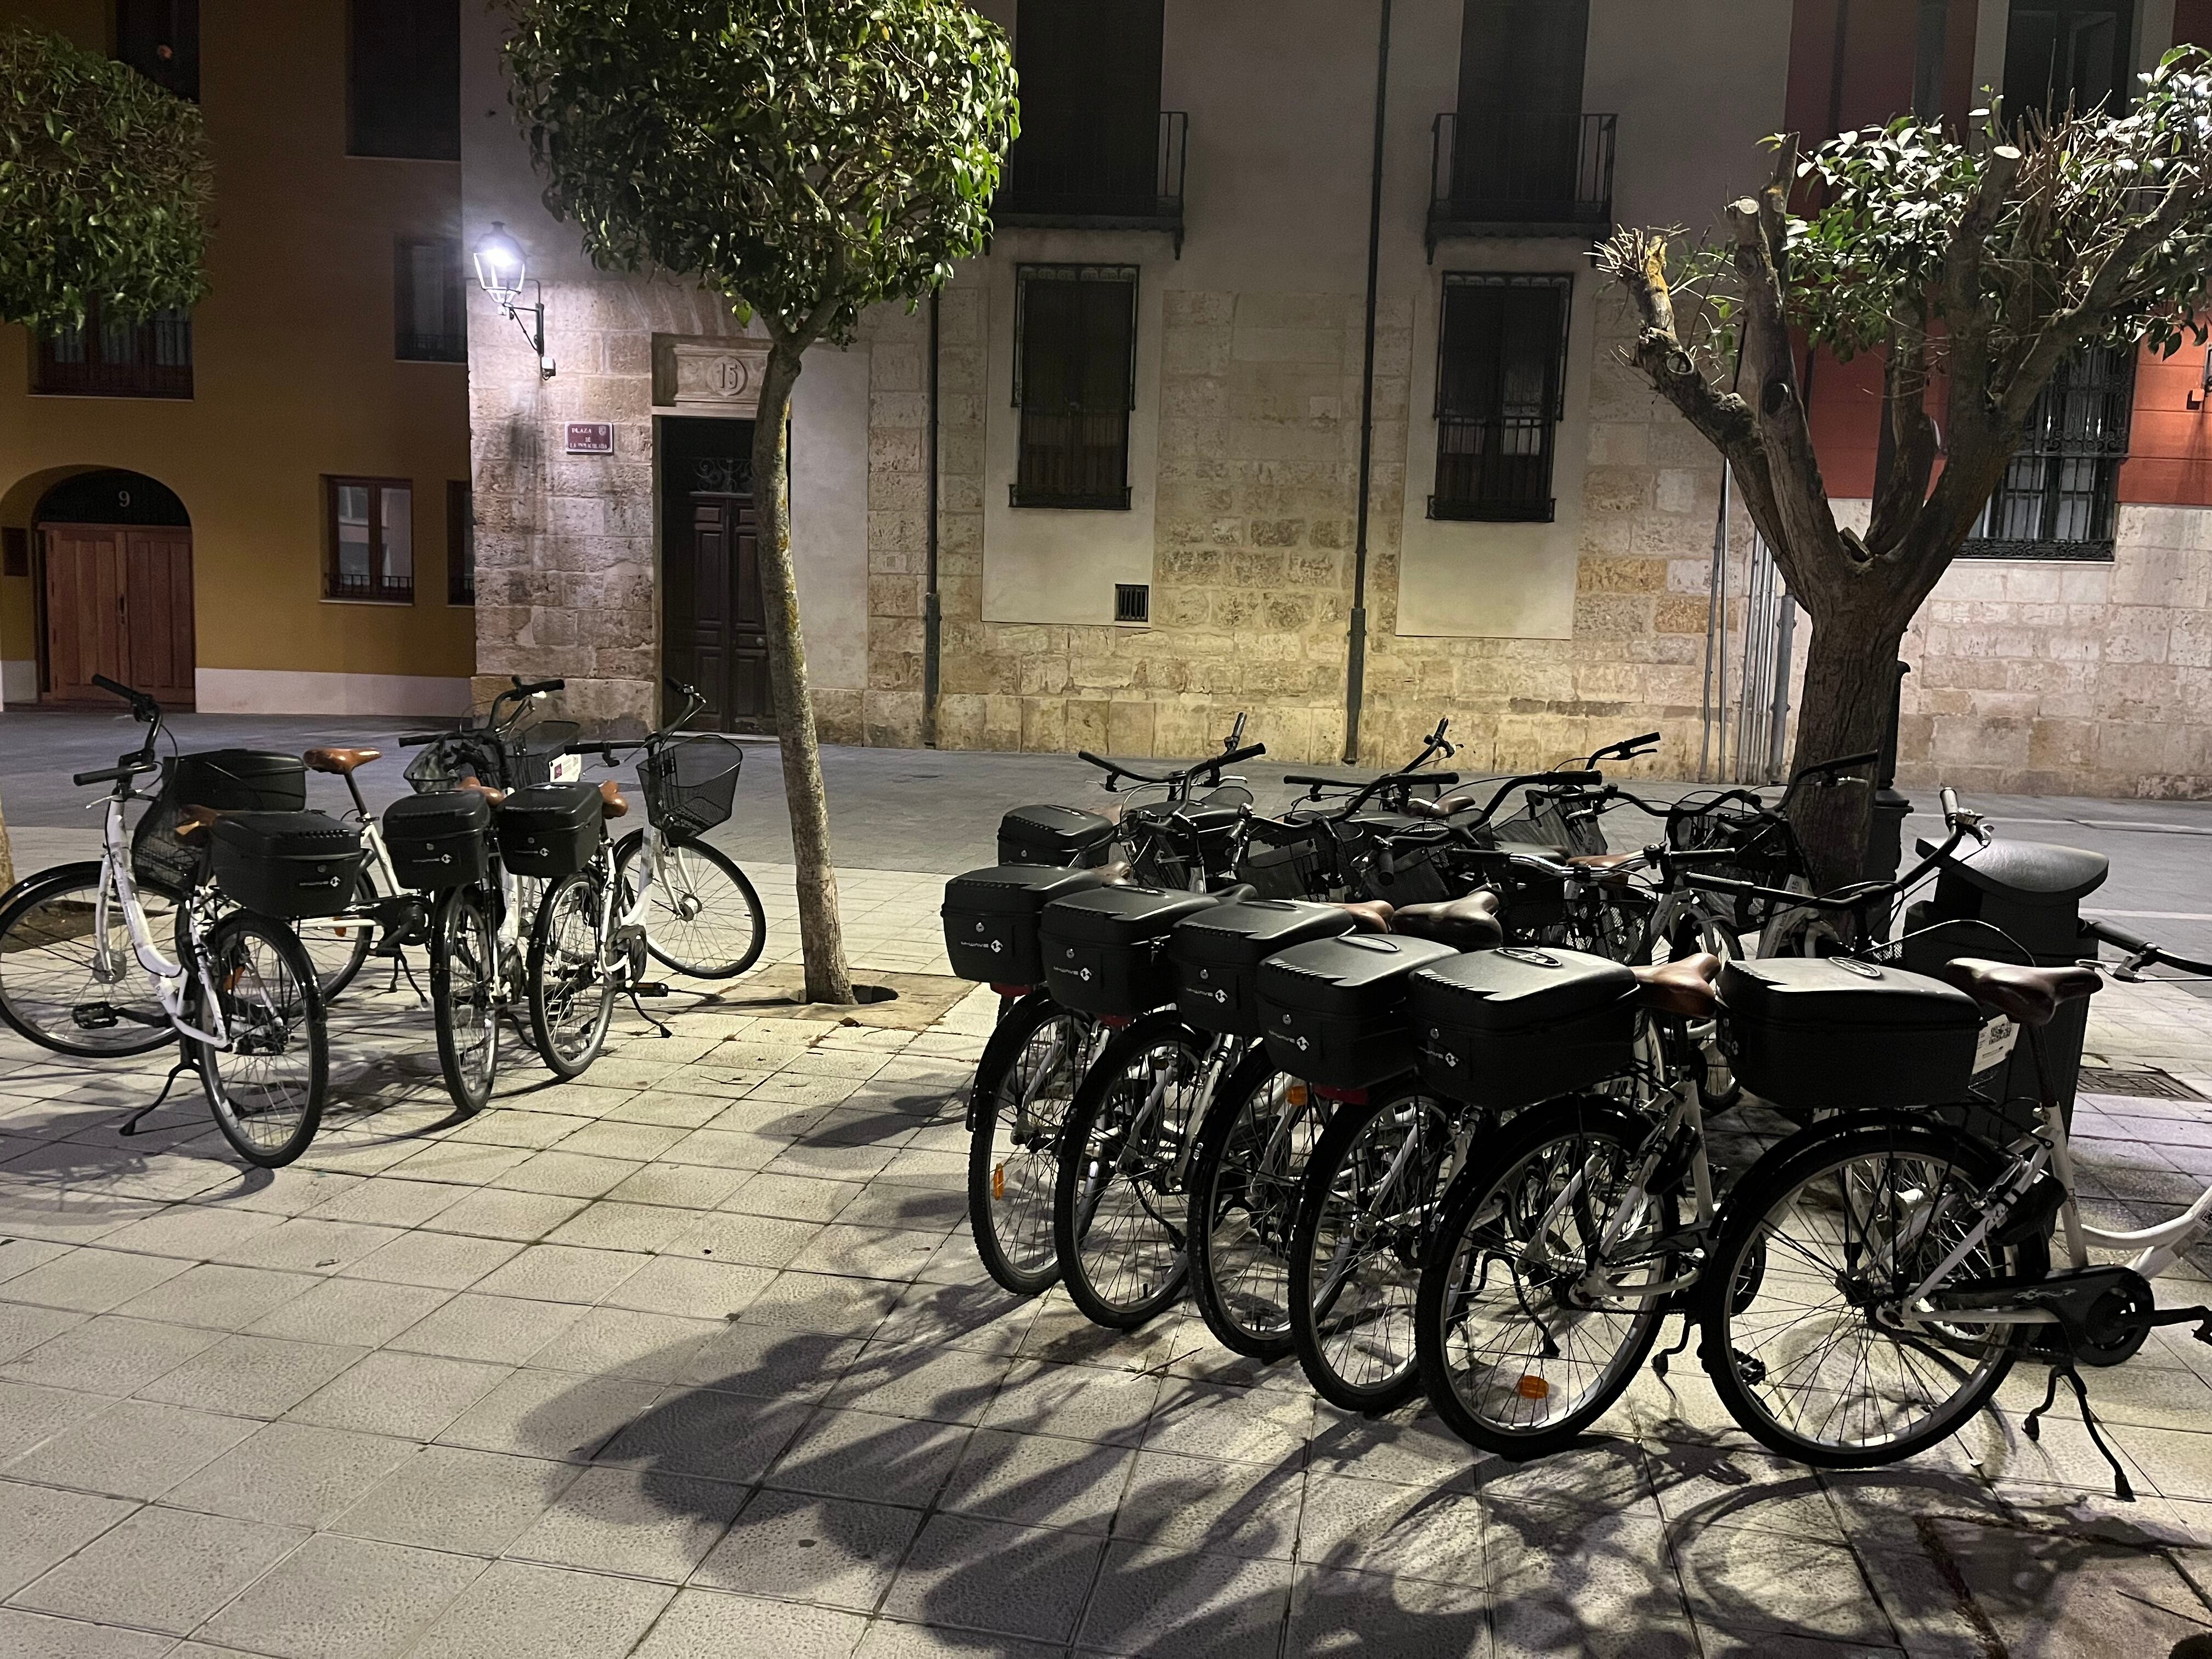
{"type": "Point", "coordinates": [829, 513]}
{"type": "Point", "coordinates": [286, 691]}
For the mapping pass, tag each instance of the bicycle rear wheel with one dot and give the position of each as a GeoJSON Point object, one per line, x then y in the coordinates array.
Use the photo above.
{"type": "Point", "coordinates": [1029, 1072]}
{"type": "Point", "coordinates": [70, 985]}
{"type": "Point", "coordinates": [266, 1089]}
{"type": "Point", "coordinates": [337, 946]}
{"type": "Point", "coordinates": [702, 918]}
{"type": "Point", "coordinates": [464, 983]}
{"type": "Point", "coordinates": [1252, 1152]}
{"type": "Point", "coordinates": [572, 990]}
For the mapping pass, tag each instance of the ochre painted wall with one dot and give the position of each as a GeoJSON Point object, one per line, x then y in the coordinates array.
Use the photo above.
{"type": "Point", "coordinates": [293, 373]}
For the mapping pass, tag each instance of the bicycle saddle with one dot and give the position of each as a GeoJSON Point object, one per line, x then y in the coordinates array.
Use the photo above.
{"type": "Point", "coordinates": [2030, 995]}
{"type": "Point", "coordinates": [339, 762]}
{"type": "Point", "coordinates": [1369, 915]}
{"type": "Point", "coordinates": [1684, 987]}
{"type": "Point", "coordinates": [611, 803]}
{"type": "Point", "coordinates": [1438, 808]}
{"type": "Point", "coordinates": [1114, 873]}
{"type": "Point", "coordinates": [493, 796]}
{"type": "Point", "coordinates": [1464, 924]}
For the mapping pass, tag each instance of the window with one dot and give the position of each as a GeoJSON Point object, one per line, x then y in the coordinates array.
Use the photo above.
{"type": "Point", "coordinates": [1075, 379]}
{"type": "Point", "coordinates": [403, 80]}
{"type": "Point", "coordinates": [2068, 55]}
{"type": "Point", "coordinates": [1519, 128]}
{"type": "Point", "coordinates": [160, 39]}
{"type": "Point", "coordinates": [372, 539]}
{"type": "Point", "coordinates": [2059, 495]}
{"type": "Point", "coordinates": [1499, 379]}
{"type": "Point", "coordinates": [1092, 126]}
{"type": "Point", "coordinates": [117, 357]}
{"type": "Point", "coordinates": [460, 545]}
{"type": "Point", "coordinates": [429, 314]}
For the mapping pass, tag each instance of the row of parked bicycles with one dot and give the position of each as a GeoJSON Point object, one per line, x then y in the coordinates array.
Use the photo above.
{"type": "Point", "coordinates": [228, 917]}
{"type": "Point", "coordinates": [1420, 1089]}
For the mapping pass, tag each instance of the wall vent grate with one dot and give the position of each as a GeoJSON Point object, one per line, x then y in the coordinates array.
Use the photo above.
{"type": "Point", "coordinates": [1133, 602]}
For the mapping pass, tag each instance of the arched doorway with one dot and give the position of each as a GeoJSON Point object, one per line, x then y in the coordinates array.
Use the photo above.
{"type": "Point", "coordinates": [115, 588]}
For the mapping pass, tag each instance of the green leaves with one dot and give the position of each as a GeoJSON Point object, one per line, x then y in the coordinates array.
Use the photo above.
{"type": "Point", "coordinates": [105, 187]}
{"type": "Point", "coordinates": [807, 158]}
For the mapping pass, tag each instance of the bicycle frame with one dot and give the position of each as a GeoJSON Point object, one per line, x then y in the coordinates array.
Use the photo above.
{"type": "Point", "coordinates": [169, 977]}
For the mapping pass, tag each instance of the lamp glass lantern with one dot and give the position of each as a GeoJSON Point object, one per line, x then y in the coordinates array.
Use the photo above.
{"type": "Point", "coordinates": [500, 271]}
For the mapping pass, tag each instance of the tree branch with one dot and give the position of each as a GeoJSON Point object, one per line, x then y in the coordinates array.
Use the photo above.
{"type": "Point", "coordinates": [1900, 485]}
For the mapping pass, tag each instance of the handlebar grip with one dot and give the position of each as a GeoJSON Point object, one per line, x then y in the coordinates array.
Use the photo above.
{"type": "Point", "coordinates": [1576, 779]}
{"type": "Point", "coordinates": [1716, 884]}
{"type": "Point", "coordinates": [1949, 798]}
{"type": "Point", "coordinates": [106, 684]}
{"type": "Point", "coordinates": [2118, 938]}
{"type": "Point", "coordinates": [106, 775]}
{"type": "Point", "coordinates": [1309, 781]}
{"type": "Point", "coordinates": [1086, 755]}
{"type": "Point", "coordinates": [1237, 757]}
{"type": "Point", "coordinates": [532, 687]}
{"type": "Point", "coordinates": [425, 738]}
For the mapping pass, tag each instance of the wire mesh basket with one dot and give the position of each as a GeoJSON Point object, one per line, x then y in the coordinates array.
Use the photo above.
{"type": "Point", "coordinates": [159, 856]}
{"type": "Point", "coordinates": [690, 785]}
{"type": "Point", "coordinates": [1285, 860]}
{"type": "Point", "coordinates": [529, 754]}
{"type": "Point", "coordinates": [1556, 820]}
{"type": "Point", "coordinates": [1761, 848]}
{"type": "Point", "coordinates": [452, 760]}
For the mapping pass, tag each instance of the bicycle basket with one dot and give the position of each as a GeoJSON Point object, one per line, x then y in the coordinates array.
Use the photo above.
{"type": "Point", "coordinates": [690, 785]}
{"type": "Point", "coordinates": [453, 758]}
{"type": "Point", "coordinates": [529, 754]}
{"type": "Point", "coordinates": [1285, 860]}
{"type": "Point", "coordinates": [1763, 851]}
{"type": "Point", "coordinates": [159, 856]}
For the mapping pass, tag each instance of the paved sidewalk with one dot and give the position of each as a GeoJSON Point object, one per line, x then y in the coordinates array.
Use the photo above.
{"type": "Point", "coordinates": [693, 1358]}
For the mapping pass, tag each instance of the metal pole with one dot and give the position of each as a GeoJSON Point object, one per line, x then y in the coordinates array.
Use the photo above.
{"type": "Point", "coordinates": [931, 617]}
{"type": "Point", "coordinates": [1776, 741]}
{"type": "Point", "coordinates": [1712, 602]}
{"type": "Point", "coordinates": [1355, 668]}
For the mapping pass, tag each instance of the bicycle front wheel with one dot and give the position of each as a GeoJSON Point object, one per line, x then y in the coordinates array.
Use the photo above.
{"type": "Point", "coordinates": [572, 987]}
{"type": "Point", "coordinates": [702, 918]}
{"type": "Point", "coordinates": [70, 984]}
{"type": "Point", "coordinates": [266, 1088]}
{"type": "Point", "coordinates": [464, 984]}
{"type": "Point", "coordinates": [1252, 1152]}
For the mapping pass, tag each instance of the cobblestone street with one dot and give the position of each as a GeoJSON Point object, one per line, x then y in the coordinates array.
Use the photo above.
{"type": "Point", "coordinates": [693, 1358]}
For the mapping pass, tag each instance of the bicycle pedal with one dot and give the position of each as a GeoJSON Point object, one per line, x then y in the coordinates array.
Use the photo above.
{"type": "Point", "coordinates": [650, 989]}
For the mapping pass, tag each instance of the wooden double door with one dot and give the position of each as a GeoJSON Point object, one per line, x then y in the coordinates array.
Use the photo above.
{"type": "Point", "coordinates": [119, 602]}
{"type": "Point", "coordinates": [714, 628]}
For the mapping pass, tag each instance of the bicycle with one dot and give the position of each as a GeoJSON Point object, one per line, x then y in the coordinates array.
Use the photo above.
{"type": "Point", "coordinates": [242, 999]}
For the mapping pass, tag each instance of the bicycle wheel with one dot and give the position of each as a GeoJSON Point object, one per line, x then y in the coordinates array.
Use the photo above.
{"type": "Point", "coordinates": [465, 982]}
{"type": "Point", "coordinates": [1253, 1148]}
{"type": "Point", "coordinates": [1118, 1204]}
{"type": "Point", "coordinates": [1518, 1352]}
{"type": "Point", "coordinates": [1031, 1070]}
{"type": "Point", "coordinates": [1366, 1213]}
{"type": "Point", "coordinates": [702, 918]}
{"type": "Point", "coordinates": [69, 984]}
{"type": "Point", "coordinates": [1798, 1305]}
{"type": "Point", "coordinates": [266, 1088]}
{"type": "Point", "coordinates": [572, 990]}
{"type": "Point", "coordinates": [337, 946]}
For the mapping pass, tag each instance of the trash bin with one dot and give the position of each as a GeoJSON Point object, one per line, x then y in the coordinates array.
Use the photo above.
{"type": "Point", "coordinates": [2030, 892]}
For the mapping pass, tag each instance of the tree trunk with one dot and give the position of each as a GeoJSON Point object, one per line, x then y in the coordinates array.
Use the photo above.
{"type": "Point", "coordinates": [7, 857]}
{"type": "Point", "coordinates": [821, 930]}
{"type": "Point", "coordinates": [1850, 668]}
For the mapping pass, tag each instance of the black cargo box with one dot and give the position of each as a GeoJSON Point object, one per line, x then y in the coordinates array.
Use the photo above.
{"type": "Point", "coordinates": [1053, 834]}
{"type": "Point", "coordinates": [287, 865]}
{"type": "Point", "coordinates": [1217, 955]}
{"type": "Point", "coordinates": [991, 918]}
{"type": "Point", "coordinates": [237, 780]}
{"type": "Point", "coordinates": [441, 840]}
{"type": "Point", "coordinates": [1511, 1027]}
{"type": "Point", "coordinates": [1334, 1011]}
{"type": "Point", "coordinates": [1105, 952]}
{"type": "Point", "coordinates": [549, 829]}
{"type": "Point", "coordinates": [1815, 1034]}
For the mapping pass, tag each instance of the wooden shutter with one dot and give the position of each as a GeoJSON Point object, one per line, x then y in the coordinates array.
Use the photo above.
{"type": "Point", "coordinates": [404, 79]}
{"type": "Point", "coordinates": [1522, 55]}
{"type": "Point", "coordinates": [1090, 102]}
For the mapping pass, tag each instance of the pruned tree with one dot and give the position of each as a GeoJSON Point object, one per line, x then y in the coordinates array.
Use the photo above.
{"type": "Point", "coordinates": [805, 160]}
{"type": "Point", "coordinates": [1978, 269]}
{"type": "Point", "coordinates": [105, 191]}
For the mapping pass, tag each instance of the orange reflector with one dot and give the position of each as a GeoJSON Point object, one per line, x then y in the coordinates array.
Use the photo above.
{"type": "Point", "coordinates": [999, 1181]}
{"type": "Point", "coordinates": [1296, 1095]}
{"type": "Point", "coordinates": [1532, 1387]}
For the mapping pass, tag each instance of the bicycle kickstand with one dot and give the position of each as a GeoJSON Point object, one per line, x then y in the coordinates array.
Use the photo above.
{"type": "Point", "coordinates": [2121, 1488]}
{"type": "Point", "coordinates": [636, 991]}
{"type": "Point", "coordinates": [1659, 1360]}
{"type": "Point", "coordinates": [186, 1061]}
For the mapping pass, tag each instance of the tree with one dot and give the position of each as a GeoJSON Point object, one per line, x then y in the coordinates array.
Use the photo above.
{"type": "Point", "coordinates": [1979, 268]}
{"type": "Point", "coordinates": [105, 186]}
{"type": "Point", "coordinates": [805, 158]}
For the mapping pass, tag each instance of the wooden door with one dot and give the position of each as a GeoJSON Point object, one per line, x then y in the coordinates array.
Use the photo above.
{"type": "Point", "coordinates": [712, 621]}
{"type": "Point", "coordinates": [118, 603]}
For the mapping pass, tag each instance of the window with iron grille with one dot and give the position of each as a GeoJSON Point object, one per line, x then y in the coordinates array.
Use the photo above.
{"type": "Point", "coordinates": [2060, 495]}
{"type": "Point", "coordinates": [1091, 108]}
{"type": "Point", "coordinates": [1075, 382]}
{"type": "Point", "coordinates": [460, 544]}
{"type": "Point", "coordinates": [429, 312]}
{"type": "Point", "coordinates": [370, 524]}
{"type": "Point", "coordinates": [403, 80]}
{"type": "Point", "coordinates": [160, 39]}
{"type": "Point", "coordinates": [117, 357]}
{"type": "Point", "coordinates": [1501, 357]}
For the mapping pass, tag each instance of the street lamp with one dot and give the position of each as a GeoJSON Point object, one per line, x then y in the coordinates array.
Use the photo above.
{"type": "Point", "coordinates": [500, 270]}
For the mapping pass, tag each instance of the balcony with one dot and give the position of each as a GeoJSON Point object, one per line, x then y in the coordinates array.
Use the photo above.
{"type": "Point", "coordinates": [1493, 471]}
{"type": "Point", "coordinates": [1097, 184]}
{"type": "Point", "coordinates": [1521, 175]}
{"type": "Point", "coordinates": [117, 358]}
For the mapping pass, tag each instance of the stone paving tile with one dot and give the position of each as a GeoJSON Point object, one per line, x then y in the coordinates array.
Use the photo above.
{"type": "Point", "coordinates": [164, 1569]}
{"type": "Point", "coordinates": [343, 1598]}
{"type": "Point", "coordinates": [802, 1548]}
{"type": "Point", "coordinates": [41, 1526]}
{"type": "Point", "coordinates": [295, 1473]}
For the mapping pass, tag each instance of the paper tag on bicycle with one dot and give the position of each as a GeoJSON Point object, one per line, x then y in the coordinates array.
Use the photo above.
{"type": "Point", "coordinates": [1994, 1043]}
{"type": "Point", "coordinates": [567, 768]}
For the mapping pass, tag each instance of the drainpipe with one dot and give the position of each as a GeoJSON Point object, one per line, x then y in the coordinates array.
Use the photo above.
{"type": "Point", "coordinates": [931, 617]}
{"type": "Point", "coordinates": [1356, 664]}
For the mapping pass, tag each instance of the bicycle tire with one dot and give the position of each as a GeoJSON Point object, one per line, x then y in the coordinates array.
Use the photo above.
{"type": "Point", "coordinates": [465, 937]}
{"type": "Point", "coordinates": [338, 945]}
{"type": "Point", "coordinates": [690, 856]}
{"type": "Point", "coordinates": [1383, 1306]}
{"type": "Point", "coordinates": [1233, 1297]}
{"type": "Point", "coordinates": [23, 913]}
{"type": "Point", "coordinates": [1158, 1263]}
{"type": "Point", "coordinates": [1014, 1236]}
{"type": "Point", "coordinates": [1516, 1384]}
{"type": "Point", "coordinates": [560, 971]}
{"type": "Point", "coordinates": [1742, 1254]}
{"type": "Point", "coordinates": [262, 1022]}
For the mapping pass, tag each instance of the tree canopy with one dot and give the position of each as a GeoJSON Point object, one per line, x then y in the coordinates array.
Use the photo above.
{"type": "Point", "coordinates": [105, 187]}
{"type": "Point", "coordinates": [806, 158]}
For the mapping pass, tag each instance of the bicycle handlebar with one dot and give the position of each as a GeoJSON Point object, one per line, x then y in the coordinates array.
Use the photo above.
{"type": "Point", "coordinates": [2142, 951]}
{"type": "Point", "coordinates": [114, 774]}
{"type": "Point", "coordinates": [1230, 758]}
{"type": "Point", "coordinates": [1627, 748]}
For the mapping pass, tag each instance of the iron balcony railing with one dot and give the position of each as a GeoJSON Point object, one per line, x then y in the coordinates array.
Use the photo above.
{"type": "Point", "coordinates": [118, 358]}
{"type": "Point", "coordinates": [1098, 183]}
{"type": "Point", "coordinates": [1515, 174]}
{"type": "Point", "coordinates": [1497, 470]}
